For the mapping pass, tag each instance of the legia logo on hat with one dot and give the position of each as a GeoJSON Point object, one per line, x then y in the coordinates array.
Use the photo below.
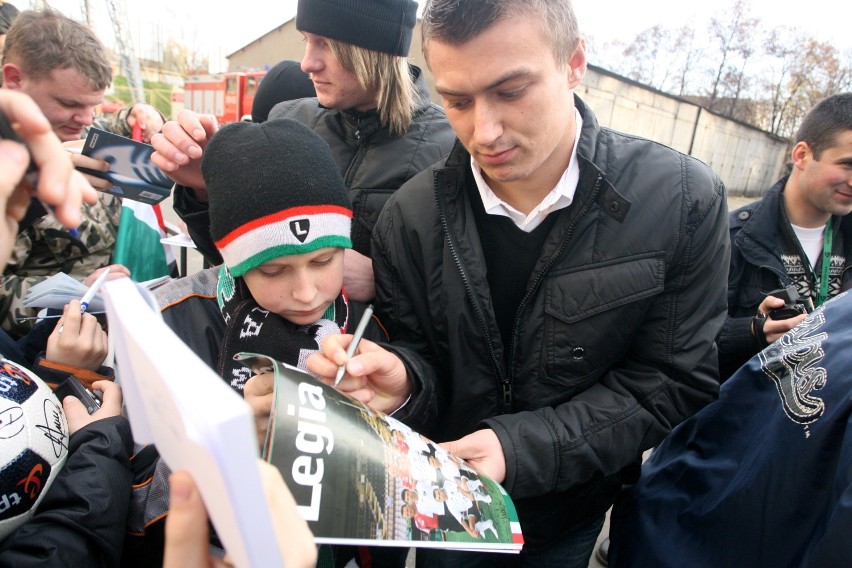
{"type": "Point", "coordinates": [300, 229]}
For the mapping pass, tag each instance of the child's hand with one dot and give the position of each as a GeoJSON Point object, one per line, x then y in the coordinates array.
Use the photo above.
{"type": "Point", "coordinates": [77, 340]}
{"type": "Point", "coordinates": [75, 412]}
{"type": "Point", "coordinates": [259, 395]}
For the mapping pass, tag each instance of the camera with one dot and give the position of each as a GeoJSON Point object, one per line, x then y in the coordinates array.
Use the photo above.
{"type": "Point", "coordinates": [71, 386]}
{"type": "Point", "coordinates": [794, 304]}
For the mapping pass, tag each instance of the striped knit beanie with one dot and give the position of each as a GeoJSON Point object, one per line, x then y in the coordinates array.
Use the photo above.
{"type": "Point", "coordinates": [274, 190]}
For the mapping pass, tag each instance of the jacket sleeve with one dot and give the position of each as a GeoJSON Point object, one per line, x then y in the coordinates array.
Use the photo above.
{"type": "Point", "coordinates": [81, 521]}
{"type": "Point", "coordinates": [669, 372]}
{"type": "Point", "coordinates": [735, 341]}
{"type": "Point", "coordinates": [196, 215]}
{"type": "Point", "coordinates": [736, 345]}
{"type": "Point", "coordinates": [394, 306]}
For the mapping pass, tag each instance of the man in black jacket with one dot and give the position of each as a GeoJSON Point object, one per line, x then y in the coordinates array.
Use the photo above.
{"type": "Point", "coordinates": [372, 108]}
{"type": "Point", "coordinates": [553, 289]}
{"type": "Point", "coordinates": [797, 235]}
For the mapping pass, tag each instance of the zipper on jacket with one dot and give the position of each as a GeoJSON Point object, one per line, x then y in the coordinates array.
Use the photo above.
{"type": "Point", "coordinates": [356, 160]}
{"type": "Point", "coordinates": [506, 386]}
{"type": "Point", "coordinates": [540, 276]}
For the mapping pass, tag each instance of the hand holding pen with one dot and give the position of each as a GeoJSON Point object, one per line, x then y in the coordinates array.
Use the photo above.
{"type": "Point", "coordinates": [90, 294]}
{"type": "Point", "coordinates": [376, 376]}
{"type": "Point", "coordinates": [78, 341]}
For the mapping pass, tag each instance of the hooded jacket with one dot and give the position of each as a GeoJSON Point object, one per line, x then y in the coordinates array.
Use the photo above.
{"type": "Point", "coordinates": [611, 346]}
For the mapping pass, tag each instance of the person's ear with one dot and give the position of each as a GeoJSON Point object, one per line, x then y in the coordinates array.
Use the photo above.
{"type": "Point", "coordinates": [577, 65]}
{"type": "Point", "coordinates": [800, 154]}
{"type": "Point", "coordinates": [13, 77]}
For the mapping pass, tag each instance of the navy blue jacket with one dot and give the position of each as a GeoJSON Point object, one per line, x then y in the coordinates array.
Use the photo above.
{"type": "Point", "coordinates": [762, 476]}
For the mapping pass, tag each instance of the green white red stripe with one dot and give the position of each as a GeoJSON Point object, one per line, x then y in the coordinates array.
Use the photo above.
{"type": "Point", "coordinates": [272, 236]}
{"type": "Point", "coordinates": [137, 244]}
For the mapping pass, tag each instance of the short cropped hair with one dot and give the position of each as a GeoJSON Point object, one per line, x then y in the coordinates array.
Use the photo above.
{"type": "Point", "coordinates": [825, 122]}
{"type": "Point", "coordinates": [389, 75]}
{"type": "Point", "coordinates": [44, 40]}
{"type": "Point", "coordinates": [457, 22]}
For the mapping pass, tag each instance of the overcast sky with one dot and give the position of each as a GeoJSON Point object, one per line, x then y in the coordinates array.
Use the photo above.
{"type": "Point", "coordinates": [223, 27]}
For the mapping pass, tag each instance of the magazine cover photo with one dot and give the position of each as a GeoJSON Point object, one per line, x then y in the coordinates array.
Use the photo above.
{"type": "Point", "coordinates": [362, 477]}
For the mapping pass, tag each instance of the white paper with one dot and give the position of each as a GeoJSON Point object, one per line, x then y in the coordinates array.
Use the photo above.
{"type": "Point", "coordinates": [197, 422]}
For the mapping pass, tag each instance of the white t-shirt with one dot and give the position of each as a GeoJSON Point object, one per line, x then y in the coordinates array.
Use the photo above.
{"type": "Point", "coordinates": [811, 241]}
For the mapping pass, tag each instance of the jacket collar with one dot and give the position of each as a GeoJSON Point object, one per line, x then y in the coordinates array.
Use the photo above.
{"type": "Point", "coordinates": [588, 149]}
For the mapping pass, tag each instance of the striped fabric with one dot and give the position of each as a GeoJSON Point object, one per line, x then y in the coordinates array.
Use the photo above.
{"type": "Point", "coordinates": [293, 231]}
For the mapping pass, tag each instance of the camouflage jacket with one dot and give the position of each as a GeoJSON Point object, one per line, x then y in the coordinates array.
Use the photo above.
{"type": "Point", "coordinates": [117, 122]}
{"type": "Point", "coordinates": [46, 248]}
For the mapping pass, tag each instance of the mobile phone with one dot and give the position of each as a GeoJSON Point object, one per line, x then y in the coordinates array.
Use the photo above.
{"type": "Point", "coordinates": [72, 386]}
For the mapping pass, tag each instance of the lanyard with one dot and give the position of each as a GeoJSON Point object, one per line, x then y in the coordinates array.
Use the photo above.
{"type": "Point", "coordinates": [822, 294]}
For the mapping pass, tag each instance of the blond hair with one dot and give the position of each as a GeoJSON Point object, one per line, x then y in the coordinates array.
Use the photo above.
{"type": "Point", "coordinates": [388, 76]}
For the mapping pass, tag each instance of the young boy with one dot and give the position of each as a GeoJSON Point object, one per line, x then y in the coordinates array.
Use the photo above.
{"type": "Point", "coordinates": [281, 219]}
{"type": "Point", "coordinates": [280, 216]}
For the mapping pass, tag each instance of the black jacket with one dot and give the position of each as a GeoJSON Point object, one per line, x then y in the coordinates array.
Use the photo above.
{"type": "Point", "coordinates": [373, 162]}
{"type": "Point", "coordinates": [757, 268]}
{"type": "Point", "coordinates": [81, 520]}
{"type": "Point", "coordinates": [612, 345]}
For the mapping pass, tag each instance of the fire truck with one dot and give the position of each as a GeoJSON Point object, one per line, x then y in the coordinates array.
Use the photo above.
{"type": "Point", "coordinates": [227, 96]}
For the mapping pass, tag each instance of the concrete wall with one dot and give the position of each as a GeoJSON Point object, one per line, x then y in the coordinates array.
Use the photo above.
{"type": "Point", "coordinates": [747, 159]}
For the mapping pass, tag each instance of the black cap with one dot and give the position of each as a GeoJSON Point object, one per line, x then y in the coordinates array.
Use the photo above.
{"type": "Point", "coordinates": [377, 25]}
{"type": "Point", "coordinates": [284, 82]}
{"type": "Point", "coordinates": [8, 13]}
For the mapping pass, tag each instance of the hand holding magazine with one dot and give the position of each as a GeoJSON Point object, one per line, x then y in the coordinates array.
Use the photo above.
{"type": "Point", "coordinates": [198, 423]}
{"type": "Point", "coordinates": [132, 173]}
{"type": "Point", "coordinates": [361, 477]}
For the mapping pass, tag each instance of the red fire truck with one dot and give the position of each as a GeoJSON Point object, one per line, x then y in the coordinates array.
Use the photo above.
{"type": "Point", "coordinates": [227, 96]}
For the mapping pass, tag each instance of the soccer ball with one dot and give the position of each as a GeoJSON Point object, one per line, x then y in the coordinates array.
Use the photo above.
{"type": "Point", "coordinates": [33, 443]}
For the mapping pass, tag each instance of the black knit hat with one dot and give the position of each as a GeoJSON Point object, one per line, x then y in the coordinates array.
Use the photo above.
{"type": "Point", "coordinates": [377, 25]}
{"type": "Point", "coordinates": [8, 13]}
{"type": "Point", "coordinates": [274, 190]}
{"type": "Point", "coordinates": [284, 82]}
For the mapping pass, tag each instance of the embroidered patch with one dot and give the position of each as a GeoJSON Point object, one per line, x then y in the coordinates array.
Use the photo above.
{"type": "Point", "coordinates": [793, 364]}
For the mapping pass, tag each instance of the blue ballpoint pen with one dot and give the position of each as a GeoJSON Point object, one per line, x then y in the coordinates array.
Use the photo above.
{"type": "Point", "coordinates": [90, 293]}
{"type": "Point", "coordinates": [93, 289]}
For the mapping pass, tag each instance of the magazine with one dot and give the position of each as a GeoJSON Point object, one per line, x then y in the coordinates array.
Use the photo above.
{"type": "Point", "coordinates": [131, 171]}
{"type": "Point", "coordinates": [361, 477]}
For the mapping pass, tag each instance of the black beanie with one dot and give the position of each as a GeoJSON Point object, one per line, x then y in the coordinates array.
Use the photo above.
{"type": "Point", "coordinates": [8, 13]}
{"type": "Point", "coordinates": [284, 82]}
{"type": "Point", "coordinates": [274, 190]}
{"type": "Point", "coordinates": [377, 25]}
